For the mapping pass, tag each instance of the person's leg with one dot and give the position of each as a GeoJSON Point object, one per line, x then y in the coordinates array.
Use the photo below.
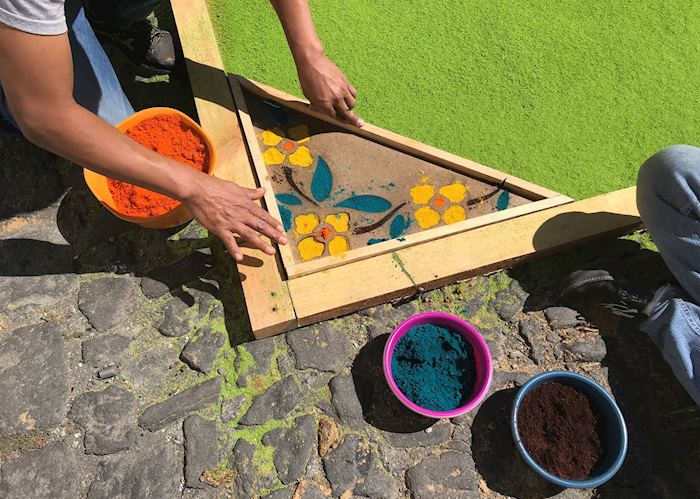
{"type": "Point", "coordinates": [121, 12]}
{"type": "Point", "coordinates": [668, 189]}
{"type": "Point", "coordinates": [124, 25]}
{"type": "Point", "coordinates": [674, 325]}
{"type": "Point", "coordinates": [95, 85]}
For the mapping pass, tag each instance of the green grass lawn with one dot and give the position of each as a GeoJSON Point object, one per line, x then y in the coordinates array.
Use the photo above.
{"type": "Point", "coordinates": [573, 95]}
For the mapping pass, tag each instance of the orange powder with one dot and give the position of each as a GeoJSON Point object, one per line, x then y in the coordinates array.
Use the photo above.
{"type": "Point", "coordinates": [167, 135]}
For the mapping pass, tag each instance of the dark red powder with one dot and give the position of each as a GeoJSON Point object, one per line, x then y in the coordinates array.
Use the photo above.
{"type": "Point", "coordinates": [560, 428]}
{"type": "Point", "coordinates": [170, 136]}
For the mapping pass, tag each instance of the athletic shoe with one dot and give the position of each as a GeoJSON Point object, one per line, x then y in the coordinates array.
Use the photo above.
{"type": "Point", "coordinates": [144, 45]}
{"type": "Point", "coordinates": [615, 285]}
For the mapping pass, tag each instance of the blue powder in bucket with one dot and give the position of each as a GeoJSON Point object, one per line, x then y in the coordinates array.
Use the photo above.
{"type": "Point", "coordinates": [434, 367]}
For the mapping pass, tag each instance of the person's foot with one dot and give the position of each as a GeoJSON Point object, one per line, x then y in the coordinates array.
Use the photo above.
{"type": "Point", "coordinates": [147, 47]}
{"type": "Point", "coordinates": [618, 286]}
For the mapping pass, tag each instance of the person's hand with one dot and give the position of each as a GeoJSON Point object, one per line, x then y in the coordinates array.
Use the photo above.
{"type": "Point", "coordinates": [328, 90]}
{"type": "Point", "coordinates": [225, 209]}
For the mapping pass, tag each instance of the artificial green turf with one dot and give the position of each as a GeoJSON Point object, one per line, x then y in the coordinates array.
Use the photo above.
{"type": "Point", "coordinates": [572, 95]}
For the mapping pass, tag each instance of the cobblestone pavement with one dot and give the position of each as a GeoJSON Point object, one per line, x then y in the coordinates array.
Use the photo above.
{"type": "Point", "coordinates": [127, 370]}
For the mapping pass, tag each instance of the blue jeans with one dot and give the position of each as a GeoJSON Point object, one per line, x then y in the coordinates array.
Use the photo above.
{"type": "Point", "coordinates": [668, 190]}
{"type": "Point", "coordinates": [95, 85]}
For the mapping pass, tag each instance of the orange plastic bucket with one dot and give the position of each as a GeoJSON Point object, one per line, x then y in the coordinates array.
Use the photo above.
{"type": "Point", "coordinates": [178, 215]}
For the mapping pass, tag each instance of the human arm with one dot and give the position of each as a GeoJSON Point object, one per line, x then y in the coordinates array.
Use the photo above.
{"type": "Point", "coordinates": [326, 87]}
{"type": "Point", "coordinates": [40, 97]}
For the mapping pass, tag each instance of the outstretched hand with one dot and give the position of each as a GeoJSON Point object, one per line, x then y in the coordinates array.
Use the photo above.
{"type": "Point", "coordinates": [226, 209]}
{"type": "Point", "coordinates": [328, 90]}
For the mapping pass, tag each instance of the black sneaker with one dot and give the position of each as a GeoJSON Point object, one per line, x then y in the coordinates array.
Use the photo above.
{"type": "Point", "coordinates": [618, 286]}
{"type": "Point", "coordinates": [145, 46]}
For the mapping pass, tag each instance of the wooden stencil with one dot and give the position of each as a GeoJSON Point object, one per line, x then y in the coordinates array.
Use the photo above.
{"type": "Point", "coordinates": [282, 293]}
{"type": "Point", "coordinates": [344, 195]}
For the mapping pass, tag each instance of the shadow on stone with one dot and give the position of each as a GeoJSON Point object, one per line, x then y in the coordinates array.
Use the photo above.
{"type": "Point", "coordinates": [380, 407]}
{"type": "Point", "coordinates": [495, 455]}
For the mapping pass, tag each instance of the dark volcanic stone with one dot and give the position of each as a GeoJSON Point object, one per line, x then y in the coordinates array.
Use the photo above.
{"type": "Point", "coordinates": [200, 354]}
{"type": "Point", "coordinates": [33, 378]}
{"type": "Point", "coordinates": [449, 475]}
{"type": "Point", "coordinates": [161, 280]}
{"type": "Point", "coordinates": [293, 448]}
{"type": "Point", "coordinates": [354, 466]}
{"type": "Point", "coordinates": [591, 349]}
{"type": "Point", "coordinates": [345, 400]}
{"type": "Point", "coordinates": [176, 407]}
{"type": "Point", "coordinates": [106, 302]}
{"type": "Point", "coordinates": [562, 317]}
{"type": "Point", "coordinates": [154, 471]}
{"type": "Point", "coordinates": [201, 440]}
{"type": "Point", "coordinates": [48, 473]}
{"type": "Point", "coordinates": [230, 409]}
{"type": "Point", "coordinates": [536, 339]}
{"type": "Point", "coordinates": [184, 311]}
{"type": "Point", "coordinates": [108, 420]}
{"type": "Point", "coordinates": [319, 347]}
{"type": "Point", "coordinates": [437, 434]}
{"type": "Point", "coordinates": [247, 481]}
{"type": "Point", "coordinates": [507, 305]}
{"type": "Point", "coordinates": [276, 403]}
{"type": "Point", "coordinates": [20, 294]}
{"type": "Point", "coordinates": [103, 351]}
{"type": "Point", "coordinates": [262, 352]}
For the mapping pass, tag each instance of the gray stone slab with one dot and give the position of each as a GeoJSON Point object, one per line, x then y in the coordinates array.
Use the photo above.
{"type": "Point", "coordinates": [590, 349]}
{"type": "Point", "coordinates": [108, 420]}
{"type": "Point", "coordinates": [107, 301]}
{"type": "Point", "coordinates": [201, 439]}
{"type": "Point", "coordinates": [353, 466]}
{"type": "Point", "coordinates": [231, 409]}
{"type": "Point", "coordinates": [153, 471]}
{"type": "Point", "coordinates": [248, 481]}
{"type": "Point", "coordinates": [24, 294]}
{"type": "Point", "coordinates": [104, 350]}
{"type": "Point", "coordinates": [345, 400]}
{"type": "Point", "coordinates": [200, 353]}
{"type": "Point", "coordinates": [262, 352]}
{"type": "Point", "coordinates": [450, 475]}
{"type": "Point", "coordinates": [536, 339]}
{"type": "Point", "coordinates": [33, 378]}
{"type": "Point", "coordinates": [276, 403]}
{"type": "Point", "coordinates": [180, 405]}
{"type": "Point", "coordinates": [184, 311]}
{"type": "Point", "coordinates": [49, 473]}
{"type": "Point", "coordinates": [319, 347]}
{"type": "Point", "coordinates": [160, 281]}
{"type": "Point", "coordinates": [562, 317]}
{"type": "Point", "coordinates": [293, 447]}
{"type": "Point", "coordinates": [436, 434]}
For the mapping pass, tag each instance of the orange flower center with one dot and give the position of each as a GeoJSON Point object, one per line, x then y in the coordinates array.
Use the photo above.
{"type": "Point", "coordinates": [323, 234]}
{"type": "Point", "coordinates": [288, 145]}
{"type": "Point", "coordinates": [440, 201]}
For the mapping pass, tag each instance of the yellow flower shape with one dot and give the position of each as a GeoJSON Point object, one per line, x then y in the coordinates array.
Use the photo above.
{"type": "Point", "coordinates": [281, 146]}
{"type": "Point", "coordinates": [427, 216]}
{"type": "Point", "coordinates": [322, 235]}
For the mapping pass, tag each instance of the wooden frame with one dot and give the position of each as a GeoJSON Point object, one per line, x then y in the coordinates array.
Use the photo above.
{"type": "Point", "coordinates": [276, 303]}
{"type": "Point", "coordinates": [542, 198]}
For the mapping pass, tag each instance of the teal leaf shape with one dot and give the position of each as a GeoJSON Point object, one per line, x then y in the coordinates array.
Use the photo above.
{"type": "Point", "coordinates": [366, 203]}
{"type": "Point", "coordinates": [398, 226]}
{"type": "Point", "coordinates": [286, 215]}
{"type": "Point", "coordinates": [372, 242]}
{"type": "Point", "coordinates": [322, 182]}
{"type": "Point", "coordinates": [289, 199]}
{"type": "Point", "coordinates": [503, 201]}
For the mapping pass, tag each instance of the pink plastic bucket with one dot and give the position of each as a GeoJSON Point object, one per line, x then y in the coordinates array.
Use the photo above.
{"type": "Point", "coordinates": [482, 360]}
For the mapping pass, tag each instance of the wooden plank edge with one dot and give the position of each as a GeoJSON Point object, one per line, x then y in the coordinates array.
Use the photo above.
{"type": "Point", "coordinates": [515, 184]}
{"type": "Point", "coordinates": [268, 301]}
{"type": "Point", "coordinates": [261, 171]}
{"type": "Point", "coordinates": [351, 280]}
{"type": "Point", "coordinates": [301, 269]}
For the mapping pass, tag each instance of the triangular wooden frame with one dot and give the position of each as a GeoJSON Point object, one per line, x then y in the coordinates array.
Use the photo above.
{"type": "Point", "coordinates": [542, 198]}
{"type": "Point", "coordinates": [277, 303]}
